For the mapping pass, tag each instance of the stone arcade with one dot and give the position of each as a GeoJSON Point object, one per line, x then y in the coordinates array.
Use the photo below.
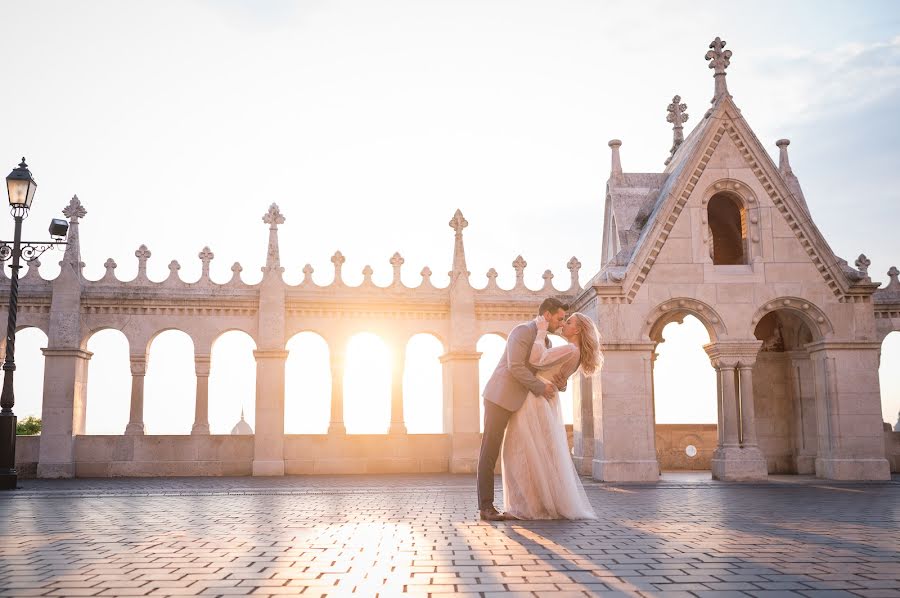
{"type": "Point", "coordinates": [722, 234]}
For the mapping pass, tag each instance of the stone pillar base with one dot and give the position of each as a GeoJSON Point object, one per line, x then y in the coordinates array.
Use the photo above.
{"type": "Point", "coordinates": [200, 429]}
{"type": "Point", "coordinates": [268, 468]}
{"type": "Point", "coordinates": [56, 470]}
{"type": "Point", "coordinates": [805, 464]}
{"type": "Point", "coordinates": [853, 469]}
{"type": "Point", "coordinates": [134, 429]}
{"type": "Point", "coordinates": [625, 471]}
{"type": "Point", "coordinates": [397, 428]}
{"type": "Point", "coordinates": [583, 465]}
{"type": "Point", "coordinates": [735, 463]}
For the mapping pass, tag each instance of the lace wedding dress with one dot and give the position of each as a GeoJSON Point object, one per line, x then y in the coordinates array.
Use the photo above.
{"type": "Point", "coordinates": [539, 478]}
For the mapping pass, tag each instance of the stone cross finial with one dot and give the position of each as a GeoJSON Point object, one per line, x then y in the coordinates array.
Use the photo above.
{"type": "Point", "coordinates": [142, 254]}
{"type": "Point", "coordinates": [519, 266]}
{"type": "Point", "coordinates": [458, 223]}
{"type": "Point", "coordinates": [719, 59]}
{"type": "Point", "coordinates": [338, 260]}
{"type": "Point", "coordinates": [307, 272]}
{"type": "Point", "coordinates": [677, 116]}
{"type": "Point", "coordinates": [548, 279]}
{"type": "Point", "coordinates": [273, 217]}
{"type": "Point", "coordinates": [367, 274]}
{"type": "Point", "coordinates": [74, 210]}
{"type": "Point", "coordinates": [206, 256]}
{"type": "Point", "coordinates": [110, 265]}
{"type": "Point", "coordinates": [174, 267]}
{"type": "Point", "coordinates": [893, 273]}
{"type": "Point", "coordinates": [426, 275]}
{"type": "Point", "coordinates": [492, 277]}
{"type": "Point", "coordinates": [574, 267]}
{"type": "Point", "coordinates": [863, 263]}
{"type": "Point", "coordinates": [396, 262]}
{"type": "Point", "coordinates": [236, 270]}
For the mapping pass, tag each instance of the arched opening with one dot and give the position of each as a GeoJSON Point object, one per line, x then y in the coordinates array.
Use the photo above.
{"type": "Point", "coordinates": [728, 228]}
{"type": "Point", "coordinates": [784, 404]}
{"type": "Point", "coordinates": [491, 347]}
{"type": "Point", "coordinates": [423, 409]}
{"type": "Point", "coordinates": [232, 382]}
{"type": "Point", "coordinates": [29, 376]}
{"type": "Point", "coordinates": [108, 402]}
{"type": "Point", "coordinates": [889, 380]}
{"type": "Point", "coordinates": [684, 397]}
{"type": "Point", "coordinates": [307, 385]}
{"type": "Point", "coordinates": [367, 385]}
{"type": "Point", "coordinates": [170, 387]}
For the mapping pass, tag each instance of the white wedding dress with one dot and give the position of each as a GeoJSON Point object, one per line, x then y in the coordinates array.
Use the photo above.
{"type": "Point", "coordinates": [539, 478]}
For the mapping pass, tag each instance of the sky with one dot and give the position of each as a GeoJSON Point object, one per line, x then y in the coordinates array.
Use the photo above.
{"type": "Point", "coordinates": [370, 123]}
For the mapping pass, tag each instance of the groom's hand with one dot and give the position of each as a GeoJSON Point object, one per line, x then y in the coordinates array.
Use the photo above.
{"type": "Point", "coordinates": [549, 390]}
{"type": "Point", "coordinates": [560, 381]}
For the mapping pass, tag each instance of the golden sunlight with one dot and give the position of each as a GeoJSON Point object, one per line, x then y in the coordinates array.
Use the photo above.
{"type": "Point", "coordinates": [307, 385]}
{"type": "Point", "coordinates": [367, 385]}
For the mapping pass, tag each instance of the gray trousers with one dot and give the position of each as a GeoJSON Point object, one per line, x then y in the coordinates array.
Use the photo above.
{"type": "Point", "coordinates": [495, 420]}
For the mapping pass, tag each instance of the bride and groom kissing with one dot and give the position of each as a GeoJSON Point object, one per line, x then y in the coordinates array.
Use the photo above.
{"type": "Point", "coordinates": [521, 399]}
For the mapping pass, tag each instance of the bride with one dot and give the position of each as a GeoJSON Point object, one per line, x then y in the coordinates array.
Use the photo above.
{"type": "Point", "coordinates": [539, 478]}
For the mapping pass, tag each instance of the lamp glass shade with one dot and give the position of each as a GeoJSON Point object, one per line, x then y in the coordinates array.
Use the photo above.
{"type": "Point", "coordinates": [20, 187]}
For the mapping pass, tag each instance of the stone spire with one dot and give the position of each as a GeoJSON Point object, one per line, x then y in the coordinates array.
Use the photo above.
{"type": "Point", "coordinates": [615, 172]}
{"type": "Point", "coordinates": [719, 59]}
{"type": "Point", "coordinates": [677, 116]}
{"type": "Point", "coordinates": [787, 173]}
{"type": "Point", "coordinates": [72, 257]}
{"type": "Point", "coordinates": [273, 218]}
{"type": "Point", "coordinates": [458, 223]}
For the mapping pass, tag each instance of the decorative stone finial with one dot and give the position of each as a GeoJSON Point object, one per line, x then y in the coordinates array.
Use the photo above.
{"type": "Point", "coordinates": [338, 260]}
{"type": "Point", "coordinates": [548, 280]}
{"type": "Point", "coordinates": [863, 263]}
{"type": "Point", "coordinates": [426, 275]}
{"type": "Point", "coordinates": [307, 273]}
{"type": "Point", "coordinates": [616, 167]}
{"type": "Point", "coordinates": [519, 265]}
{"type": "Point", "coordinates": [677, 116]}
{"type": "Point", "coordinates": [784, 164]}
{"type": "Point", "coordinates": [574, 267]}
{"type": "Point", "coordinates": [74, 210]}
{"type": "Point", "coordinates": [396, 262]}
{"type": "Point", "coordinates": [206, 256]}
{"type": "Point", "coordinates": [492, 278]}
{"type": "Point", "coordinates": [110, 265]}
{"type": "Point", "coordinates": [174, 267]}
{"type": "Point", "coordinates": [273, 218]}
{"type": "Point", "coordinates": [719, 59]}
{"type": "Point", "coordinates": [142, 254]}
{"type": "Point", "coordinates": [458, 223]}
{"type": "Point", "coordinates": [893, 273]}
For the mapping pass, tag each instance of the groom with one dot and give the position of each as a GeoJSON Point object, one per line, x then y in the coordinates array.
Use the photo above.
{"type": "Point", "coordinates": [505, 392]}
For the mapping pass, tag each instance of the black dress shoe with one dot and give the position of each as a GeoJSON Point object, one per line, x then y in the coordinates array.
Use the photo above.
{"type": "Point", "coordinates": [490, 514]}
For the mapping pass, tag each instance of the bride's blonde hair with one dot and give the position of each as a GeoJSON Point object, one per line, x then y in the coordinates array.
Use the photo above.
{"type": "Point", "coordinates": [589, 340]}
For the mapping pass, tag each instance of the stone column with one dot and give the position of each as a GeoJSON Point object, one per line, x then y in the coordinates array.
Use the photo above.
{"type": "Point", "coordinates": [624, 423]}
{"type": "Point", "coordinates": [583, 423]}
{"type": "Point", "coordinates": [268, 439]}
{"type": "Point", "coordinates": [63, 411]}
{"type": "Point", "coordinates": [201, 406]}
{"type": "Point", "coordinates": [731, 461]}
{"type": "Point", "coordinates": [848, 411]}
{"type": "Point", "coordinates": [804, 404]}
{"type": "Point", "coordinates": [461, 396]}
{"type": "Point", "coordinates": [336, 425]}
{"type": "Point", "coordinates": [748, 415]}
{"type": "Point", "coordinates": [135, 425]}
{"type": "Point", "coordinates": [397, 424]}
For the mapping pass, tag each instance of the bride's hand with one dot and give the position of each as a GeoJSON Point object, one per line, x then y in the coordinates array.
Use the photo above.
{"type": "Point", "coordinates": [542, 323]}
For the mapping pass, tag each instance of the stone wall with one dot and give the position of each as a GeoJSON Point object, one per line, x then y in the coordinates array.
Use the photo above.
{"type": "Point", "coordinates": [672, 441]}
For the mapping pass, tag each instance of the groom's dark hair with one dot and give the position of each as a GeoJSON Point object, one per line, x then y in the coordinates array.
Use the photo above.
{"type": "Point", "coordinates": [552, 304]}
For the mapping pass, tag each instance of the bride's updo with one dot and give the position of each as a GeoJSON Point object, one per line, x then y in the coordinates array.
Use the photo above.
{"type": "Point", "coordinates": [589, 344]}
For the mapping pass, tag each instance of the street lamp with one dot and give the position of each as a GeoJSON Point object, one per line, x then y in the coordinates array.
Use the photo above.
{"type": "Point", "coordinates": [20, 186]}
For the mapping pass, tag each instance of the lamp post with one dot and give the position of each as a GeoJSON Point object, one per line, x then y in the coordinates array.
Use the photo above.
{"type": "Point", "coordinates": [20, 186]}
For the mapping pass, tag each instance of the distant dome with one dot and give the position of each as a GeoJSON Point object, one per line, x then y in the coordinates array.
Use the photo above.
{"type": "Point", "coordinates": [242, 427]}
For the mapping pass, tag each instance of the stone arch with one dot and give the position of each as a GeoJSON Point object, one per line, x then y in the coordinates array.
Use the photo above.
{"type": "Point", "coordinates": [812, 315]}
{"type": "Point", "coordinates": [29, 375]}
{"type": "Point", "coordinates": [674, 310]}
{"type": "Point", "coordinates": [153, 336]}
{"type": "Point", "coordinates": [738, 200]}
{"type": "Point", "coordinates": [108, 402]}
{"type": "Point", "coordinates": [170, 383]}
{"type": "Point", "coordinates": [308, 381]}
{"type": "Point", "coordinates": [491, 349]}
{"type": "Point", "coordinates": [889, 356]}
{"type": "Point", "coordinates": [423, 406]}
{"type": "Point", "coordinates": [231, 387]}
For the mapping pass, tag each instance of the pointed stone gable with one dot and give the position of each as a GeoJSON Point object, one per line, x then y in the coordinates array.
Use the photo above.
{"type": "Point", "coordinates": [724, 128]}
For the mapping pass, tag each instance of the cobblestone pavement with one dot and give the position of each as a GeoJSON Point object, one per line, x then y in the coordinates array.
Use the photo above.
{"type": "Point", "coordinates": [418, 535]}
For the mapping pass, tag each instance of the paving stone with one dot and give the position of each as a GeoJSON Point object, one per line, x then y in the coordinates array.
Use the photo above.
{"type": "Point", "coordinates": [418, 536]}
